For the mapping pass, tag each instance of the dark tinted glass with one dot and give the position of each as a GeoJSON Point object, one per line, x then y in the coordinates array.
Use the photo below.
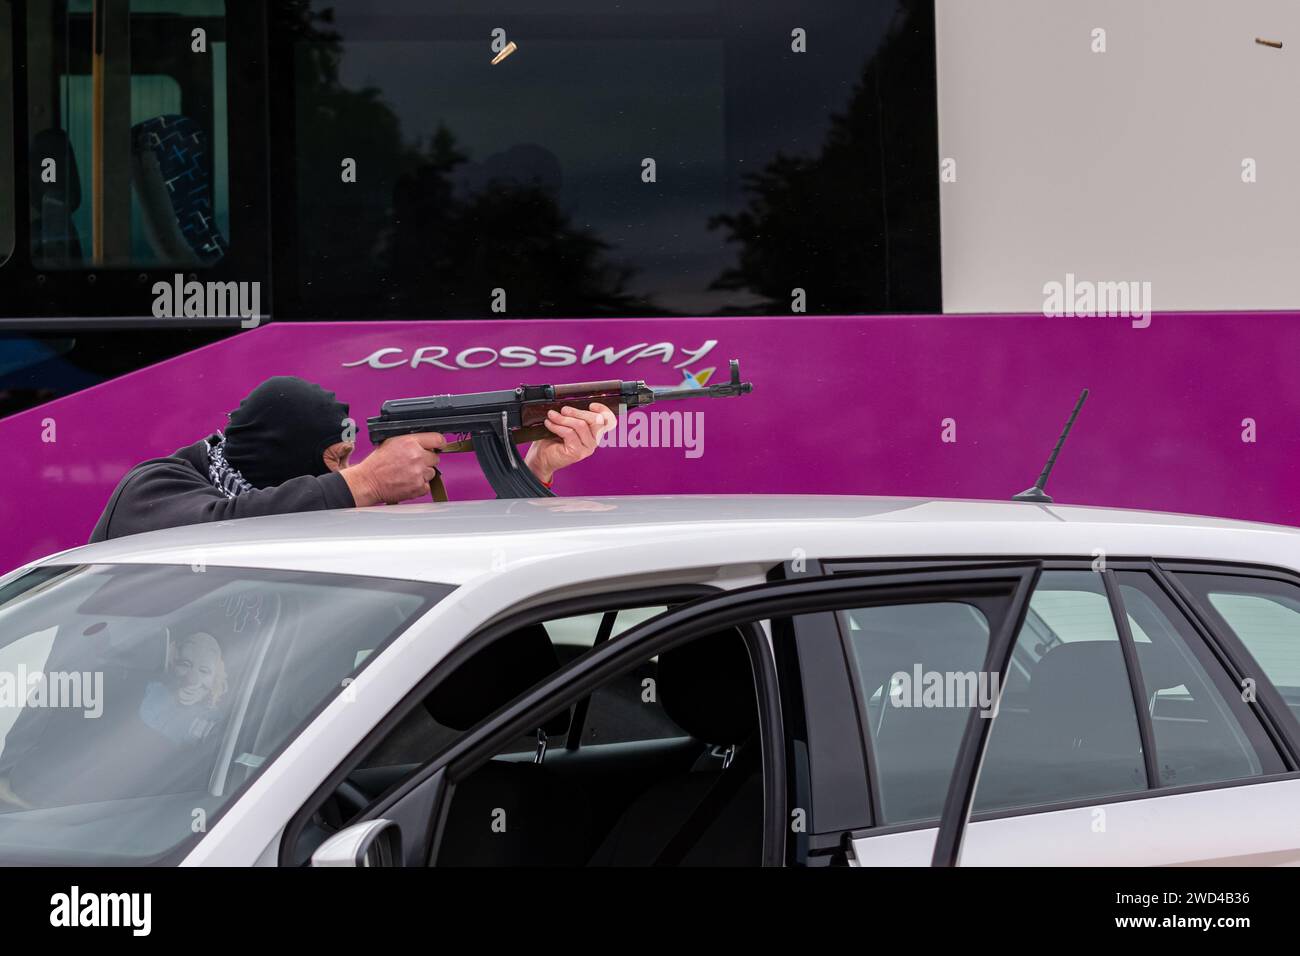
{"type": "Point", "coordinates": [793, 146]}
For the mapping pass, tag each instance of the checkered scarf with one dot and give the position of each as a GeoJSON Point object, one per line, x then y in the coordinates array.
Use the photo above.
{"type": "Point", "coordinates": [224, 476]}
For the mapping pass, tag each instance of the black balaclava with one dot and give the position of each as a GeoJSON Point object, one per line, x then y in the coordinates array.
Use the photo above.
{"type": "Point", "coordinates": [281, 429]}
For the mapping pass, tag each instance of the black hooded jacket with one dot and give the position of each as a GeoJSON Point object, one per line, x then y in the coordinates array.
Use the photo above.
{"type": "Point", "coordinates": [175, 491]}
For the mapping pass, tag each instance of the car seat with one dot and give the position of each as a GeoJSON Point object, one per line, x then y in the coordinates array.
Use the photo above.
{"type": "Point", "coordinates": [540, 819]}
{"type": "Point", "coordinates": [170, 176]}
{"type": "Point", "coordinates": [713, 815]}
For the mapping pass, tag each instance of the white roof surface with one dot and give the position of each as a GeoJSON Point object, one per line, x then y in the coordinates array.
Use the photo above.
{"type": "Point", "coordinates": [588, 538]}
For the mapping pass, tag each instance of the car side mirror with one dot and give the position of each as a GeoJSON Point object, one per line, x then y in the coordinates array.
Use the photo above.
{"type": "Point", "coordinates": [370, 843]}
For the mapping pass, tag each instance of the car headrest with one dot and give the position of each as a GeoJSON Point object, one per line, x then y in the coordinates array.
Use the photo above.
{"type": "Point", "coordinates": [495, 676]}
{"type": "Point", "coordinates": [1072, 684]}
{"type": "Point", "coordinates": [135, 650]}
{"type": "Point", "coordinates": [1161, 670]}
{"type": "Point", "coordinates": [707, 688]}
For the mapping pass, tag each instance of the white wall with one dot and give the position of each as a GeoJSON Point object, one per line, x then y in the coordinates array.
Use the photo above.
{"type": "Point", "coordinates": [1123, 165]}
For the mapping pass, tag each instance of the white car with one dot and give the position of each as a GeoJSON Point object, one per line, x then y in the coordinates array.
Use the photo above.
{"type": "Point", "coordinates": [673, 680]}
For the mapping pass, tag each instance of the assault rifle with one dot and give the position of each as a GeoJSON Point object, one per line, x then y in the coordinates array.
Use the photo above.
{"type": "Point", "coordinates": [493, 423]}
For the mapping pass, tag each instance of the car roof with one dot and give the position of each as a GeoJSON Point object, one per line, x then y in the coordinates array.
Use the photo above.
{"type": "Point", "coordinates": [603, 537]}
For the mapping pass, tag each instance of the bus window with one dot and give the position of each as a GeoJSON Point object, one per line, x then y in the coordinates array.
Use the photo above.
{"type": "Point", "coordinates": [128, 133]}
{"type": "Point", "coordinates": [6, 132]}
{"type": "Point", "coordinates": [579, 158]}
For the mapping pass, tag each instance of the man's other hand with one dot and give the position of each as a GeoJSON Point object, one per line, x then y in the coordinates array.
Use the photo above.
{"type": "Point", "coordinates": [398, 470]}
{"type": "Point", "coordinates": [574, 434]}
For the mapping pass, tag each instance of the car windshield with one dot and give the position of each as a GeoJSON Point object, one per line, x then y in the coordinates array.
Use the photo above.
{"type": "Point", "coordinates": [136, 701]}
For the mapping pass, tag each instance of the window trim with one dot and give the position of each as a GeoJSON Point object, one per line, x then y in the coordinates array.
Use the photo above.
{"type": "Point", "coordinates": [960, 799]}
{"type": "Point", "coordinates": [1136, 679]}
{"type": "Point", "coordinates": [815, 656]}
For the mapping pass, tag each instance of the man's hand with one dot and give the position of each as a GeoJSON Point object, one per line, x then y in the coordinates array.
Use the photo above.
{"type": "Point", "coordinates": [398, 470]}
{"type": "Point", "coordinates": [575, 434]}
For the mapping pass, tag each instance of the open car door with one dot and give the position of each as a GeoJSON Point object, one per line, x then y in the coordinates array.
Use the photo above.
{"type": "Point", "coordinates": [418, 806]}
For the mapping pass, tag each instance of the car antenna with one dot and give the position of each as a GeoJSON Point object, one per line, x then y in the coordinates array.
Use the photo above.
{"type": "Point", "coordinates": [1037, 493]}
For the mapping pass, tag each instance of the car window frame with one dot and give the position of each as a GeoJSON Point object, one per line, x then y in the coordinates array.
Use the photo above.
{"type": "Point", "coordinates": [826, 755]}
{"type": "Point", "coordinates": [1225, 648]}
{"type": "Point", "coordinates": [585, 675]}
{"type": "Point", "coordinates": [855, 791]}
{"type": "Point", "coordinates": [421, 801]}
{"type": "Point", "coordinates": [483, 634]}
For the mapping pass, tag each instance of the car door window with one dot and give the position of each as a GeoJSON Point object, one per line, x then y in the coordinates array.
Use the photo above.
{"type": "Point", "coordinates": [912, 663]}
{"type": "Point", "coordinates": [1264, 614]}
{"type": "Point", "coordinates": [1114, 693]}
{"type": "Point", "coordinates": [1200, 730]}
{"type": "Point", "coordinates": [1066, 728]}
{"type": "Point", "coordinates": [615, 712]}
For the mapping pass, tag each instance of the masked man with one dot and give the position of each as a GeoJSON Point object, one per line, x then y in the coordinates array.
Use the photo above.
{"type": "Point", "coordinates": [283, 451]}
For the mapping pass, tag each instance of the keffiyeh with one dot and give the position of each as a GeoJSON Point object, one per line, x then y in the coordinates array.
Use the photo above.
{"type": "Point", "coordinates": [223, 475]}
